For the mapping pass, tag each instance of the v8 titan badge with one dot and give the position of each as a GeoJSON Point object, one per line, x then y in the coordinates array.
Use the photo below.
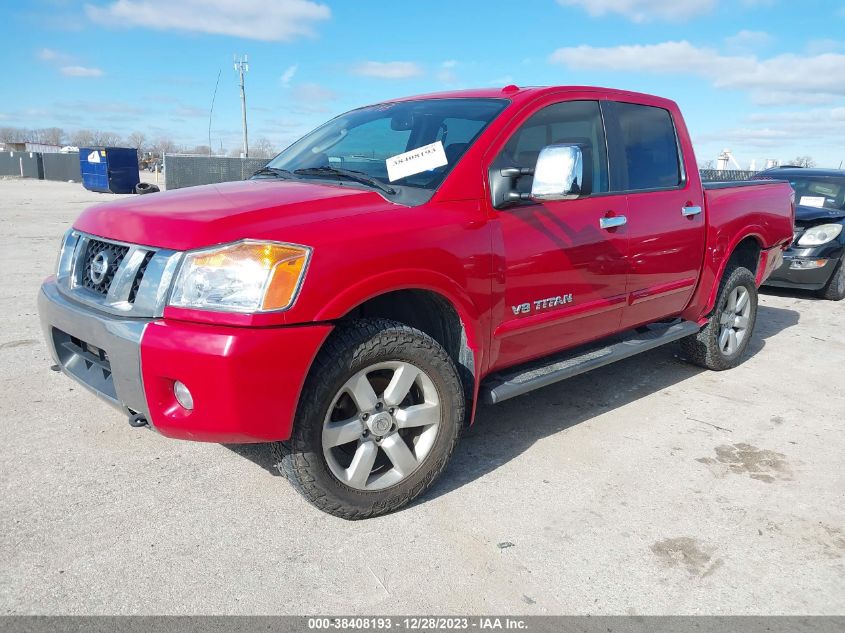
{"type": "Point", "coordinates": [541, 304]}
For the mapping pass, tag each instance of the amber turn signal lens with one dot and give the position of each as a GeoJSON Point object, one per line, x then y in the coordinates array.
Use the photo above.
{"type": "Point", "coordinates": [285, 279]}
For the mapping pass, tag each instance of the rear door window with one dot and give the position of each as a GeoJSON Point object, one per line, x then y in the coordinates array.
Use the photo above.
{"type": "Point", "coordinates": [643, 147]}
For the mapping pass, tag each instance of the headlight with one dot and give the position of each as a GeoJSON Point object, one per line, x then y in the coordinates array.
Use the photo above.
{"type": "Point", "coordinates": [245, 276]}
{"type": "Point", "coordinates": [821, 234]}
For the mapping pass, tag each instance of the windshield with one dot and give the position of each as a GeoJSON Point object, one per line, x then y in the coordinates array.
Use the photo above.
{"type": "Point", "coordinates": [376, 146]}
{"type": "Point", "coordinates": [819, 191]}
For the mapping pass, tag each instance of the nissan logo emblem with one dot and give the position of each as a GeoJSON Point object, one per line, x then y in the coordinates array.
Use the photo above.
{"type": "Point", "coordinates": [99, 267]}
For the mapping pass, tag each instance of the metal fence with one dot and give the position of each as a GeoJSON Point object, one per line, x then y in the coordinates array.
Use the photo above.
{"type": "Point", "coordinates": [182, 170]}
{"type": "Point", "coordinates": [44, 166]}
{"type": "Point", "coordinates": [21, 164]}
{"type": "Point", "coordinates": [716, 175]}
{"type": "Point", "coordinates": [64, 167]}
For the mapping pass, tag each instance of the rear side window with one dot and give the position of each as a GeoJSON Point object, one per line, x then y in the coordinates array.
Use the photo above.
{"type": "Point", "coordinates": [645, 149]}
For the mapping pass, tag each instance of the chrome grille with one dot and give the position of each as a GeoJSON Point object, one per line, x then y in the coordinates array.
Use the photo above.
{"type": "Point", "coordinates": [113, 253]}
{"type": "Point", "coordinates": [139, 276]}
{"type": "Point", "coordinates": [116, 277]}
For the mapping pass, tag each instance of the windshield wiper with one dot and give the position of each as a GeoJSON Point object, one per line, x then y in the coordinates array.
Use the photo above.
{"type": "Point", "coordinates": [349, 174]}
{"type": "Point", "coordinates": [274, 171]}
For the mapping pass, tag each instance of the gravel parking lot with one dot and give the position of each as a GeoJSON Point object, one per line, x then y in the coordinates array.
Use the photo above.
{"type": "Point", "coordinates": [646, 487]}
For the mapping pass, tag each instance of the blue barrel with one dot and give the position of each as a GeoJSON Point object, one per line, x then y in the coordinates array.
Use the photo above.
{"type": "Point", "coordinates": [109, 169]}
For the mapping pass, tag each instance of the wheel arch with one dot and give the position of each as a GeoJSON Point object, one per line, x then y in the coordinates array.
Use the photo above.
{"type": "Point", "coordinates": [429, 302]}
{"type": "Point", "coordinates": [744, 250]}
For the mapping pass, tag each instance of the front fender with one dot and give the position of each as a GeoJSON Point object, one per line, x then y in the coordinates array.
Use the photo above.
{"type": "Point", "coordinates": [417, 279]}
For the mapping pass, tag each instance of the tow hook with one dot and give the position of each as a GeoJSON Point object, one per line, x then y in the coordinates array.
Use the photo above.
{"type": "Point", "coordinates": [137, 420]}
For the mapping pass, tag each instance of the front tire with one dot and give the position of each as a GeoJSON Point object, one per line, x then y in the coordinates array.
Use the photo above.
{"type": "Point", "coordinates": [723, 341]}
{"type": "Point", "coordinates": [835, 288]}
{"type": "Point", "coordinates": [378, 420]}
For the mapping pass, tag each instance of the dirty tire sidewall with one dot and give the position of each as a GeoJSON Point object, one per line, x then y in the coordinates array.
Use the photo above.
{"type": "Point", "coordinates": [349, 349]}
{"type": "Point", "coordinates": [703, 348]}
{"type": "Point", "coordinates": [835, 288]}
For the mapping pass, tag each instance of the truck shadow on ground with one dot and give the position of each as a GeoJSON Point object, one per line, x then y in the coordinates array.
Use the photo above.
{"type": "Point", "coordinates": [791, 293]}
{"type": "Point", "coordinates": [504, 431]}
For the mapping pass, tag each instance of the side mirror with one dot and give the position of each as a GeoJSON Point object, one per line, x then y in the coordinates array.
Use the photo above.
{"type": "Point", "coordinates": [559, 174]}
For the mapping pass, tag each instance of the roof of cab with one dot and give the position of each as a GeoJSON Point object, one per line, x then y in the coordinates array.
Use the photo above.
{"type": "Point", "coordinates": [522, 93]}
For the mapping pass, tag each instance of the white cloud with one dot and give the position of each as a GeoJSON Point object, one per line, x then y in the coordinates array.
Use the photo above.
{"type": "Point", "coordinates": [311, 98]}
{"type": "Point", "coordinates": [67, 64]}
{"type": "Point", "coordinates": [791, 132]}
{"type": "Point", "coordinates": [816, 75]}
{"type": "Point", "coordinates": [388, 70]}
{"type": "Point", "coordinates": [748, 41]}
{"type": "Point", "coordinates": [446, 73]}
{"type": "Point", "coordinates": [287, 76]}
{"type": "Point", "coordinates": [313, 92]}
{"type": "Point", "coordinates": [267, 20]}
{"type": "Point", "coordinates": [824, 45]}
{"type": "Point", "coordinates": [52, 55]}
{"type": "Point", "coordinates": [644, 10]}
{"type": "Point", "coordinates": [80, 71]}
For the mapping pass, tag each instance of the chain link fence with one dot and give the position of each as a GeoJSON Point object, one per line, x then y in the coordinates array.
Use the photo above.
{"type": "Point", "coordinates": [723, 175]}
{"type": "Point", "coordinates": [181, 170]}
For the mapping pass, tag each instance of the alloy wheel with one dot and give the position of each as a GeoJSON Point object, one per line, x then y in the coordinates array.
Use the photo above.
{"type": "Point", "coordinates": [734, 320]}
{"type": "Point", "coordinates": [381, 425]}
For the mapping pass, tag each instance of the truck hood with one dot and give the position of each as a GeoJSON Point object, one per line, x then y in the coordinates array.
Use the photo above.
{"type": "Point", "coordinates": [811, 214]}
{"type": "Point", "coordinates": [195, 217]}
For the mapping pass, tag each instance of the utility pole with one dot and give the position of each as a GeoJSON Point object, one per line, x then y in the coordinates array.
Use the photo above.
{"type": "Point", "coordinates": [241, 67]}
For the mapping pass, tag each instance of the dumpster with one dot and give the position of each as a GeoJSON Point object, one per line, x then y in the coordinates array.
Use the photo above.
{"type": "Point", "coordinates": [109, 169]}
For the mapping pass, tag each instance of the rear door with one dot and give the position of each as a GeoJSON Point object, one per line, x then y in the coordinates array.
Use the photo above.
{"type": "Point", "coordinates": [665, 209]}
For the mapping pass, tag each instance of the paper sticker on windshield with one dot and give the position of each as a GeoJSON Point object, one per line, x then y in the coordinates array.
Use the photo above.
{"type": "Point", "coordinates": [812, 201]}
{"type": "Point", "coordinates": [416, 161]}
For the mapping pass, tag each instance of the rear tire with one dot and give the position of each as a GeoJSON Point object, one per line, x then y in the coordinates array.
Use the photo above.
{"type": "Point", "coordinates": [835, 288]}
{"type": "Point", "coordinates": [723, 341]}
{"type": "Point", "coordinates": [378, 419]}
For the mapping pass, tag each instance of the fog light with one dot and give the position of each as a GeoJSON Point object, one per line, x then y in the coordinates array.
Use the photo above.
{"type": "Point", "coordinates": [183, 396]}
{"type": "Point", "coordinates": [806, 264]}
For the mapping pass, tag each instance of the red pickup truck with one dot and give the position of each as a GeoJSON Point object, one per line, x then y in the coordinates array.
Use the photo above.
{"type": "Point", "coordinates": [356, 299]}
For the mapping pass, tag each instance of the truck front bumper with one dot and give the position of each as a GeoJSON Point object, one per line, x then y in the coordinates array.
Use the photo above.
{"type": "Point", "coordinates": [245, 382]}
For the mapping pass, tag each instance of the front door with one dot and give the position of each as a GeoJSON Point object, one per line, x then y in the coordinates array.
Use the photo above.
{"type": "Point", "coordinates": [562, 278]}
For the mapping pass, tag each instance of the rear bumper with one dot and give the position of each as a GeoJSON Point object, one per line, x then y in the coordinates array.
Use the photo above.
{"type": "Point", "coordinates": [245, 382]}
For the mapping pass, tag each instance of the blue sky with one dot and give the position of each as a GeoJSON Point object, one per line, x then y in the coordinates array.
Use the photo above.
{"type": "Point", "coordinates": [765, 78]}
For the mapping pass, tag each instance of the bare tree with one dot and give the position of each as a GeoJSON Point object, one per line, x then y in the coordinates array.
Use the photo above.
{"type": "Point", "coordinates": [108, 139]}
{"type": "Point", "coordinates": [262, 148]}
{"type": "Point", "coordinates": [14, 134]}
{"type": "Point", "coordinates": [164, 145]}
{"type": "Point", "coordinates": [83, 138]}
{"type": "Point", "coordinates": [50, 135]}
{"type": "Point", "coordinates": [137, 140]}
{"type": "Point", "coordinates": [203, 150]}
{"type": "Point", "coordinates": [706, 164]}
{"type": "Point", "coordinates": [803, 161]}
